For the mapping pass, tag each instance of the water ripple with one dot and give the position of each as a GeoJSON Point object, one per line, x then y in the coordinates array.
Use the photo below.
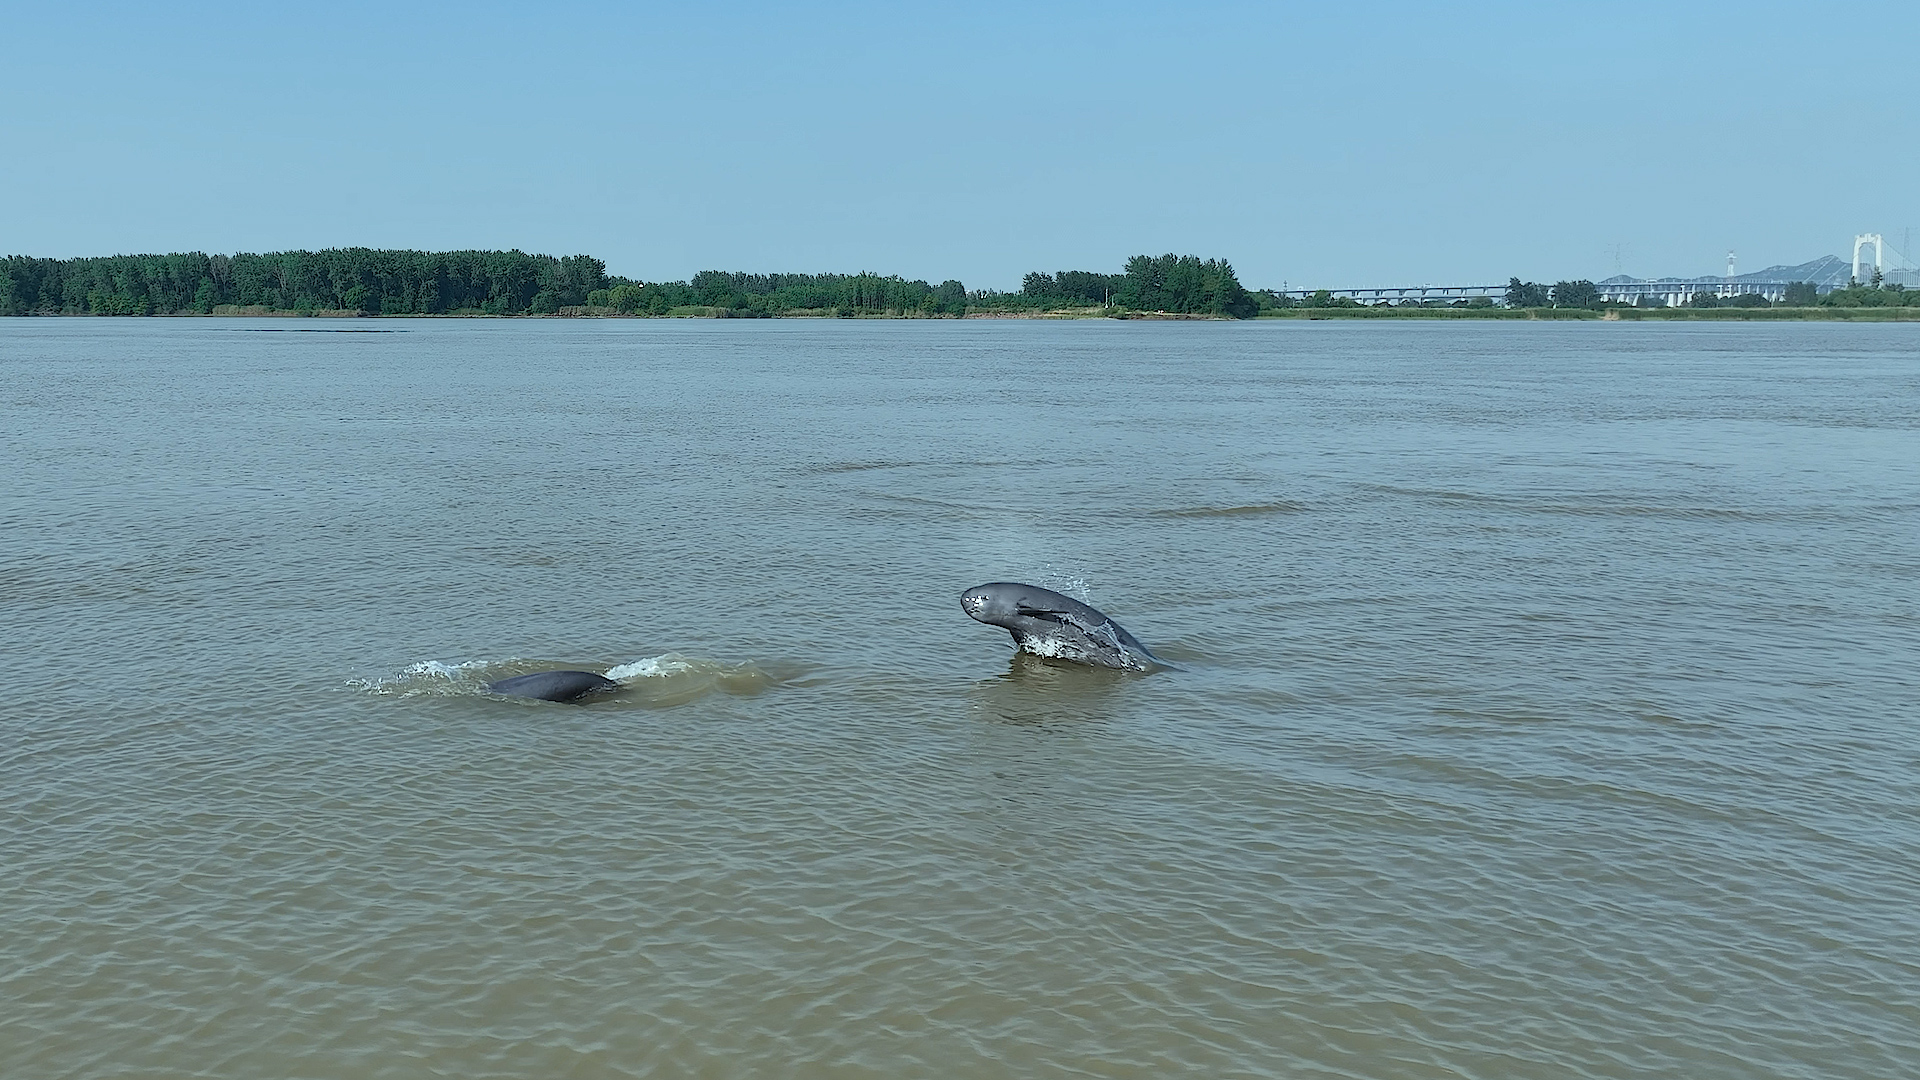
{"type": "Point", "coordinates": [1545, 704]}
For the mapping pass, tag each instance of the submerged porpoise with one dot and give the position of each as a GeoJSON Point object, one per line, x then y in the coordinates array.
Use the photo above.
{"type": "Point", "coordinates": [1045, 623]}
{"type": "Point", "coordinates": [553, 685]}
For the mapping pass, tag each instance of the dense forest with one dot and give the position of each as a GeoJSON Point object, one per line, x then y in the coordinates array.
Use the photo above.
{"type": "Point", "coordinates": [375, 282]}
{"type": "Point", "coordinates": [346, 279]}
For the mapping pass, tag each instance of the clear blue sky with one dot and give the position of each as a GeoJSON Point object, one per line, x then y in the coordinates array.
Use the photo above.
{"type": "Point", "coordinates": [1322, 144]}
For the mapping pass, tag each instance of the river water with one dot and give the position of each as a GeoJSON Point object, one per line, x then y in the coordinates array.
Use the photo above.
{"type": "Point", "coordinates": [1547, 708]}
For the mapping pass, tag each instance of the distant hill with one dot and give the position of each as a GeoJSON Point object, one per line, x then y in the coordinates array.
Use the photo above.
{"type": "Point", "coordinates": [1827, 271]}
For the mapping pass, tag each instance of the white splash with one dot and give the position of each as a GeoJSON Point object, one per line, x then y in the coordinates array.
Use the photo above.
{"type": "Point", "coordinates": [1051, 647]}
{"type": "Point", "coordinates": [1064, 582]}
{"type": "Point", "coordinates": [652, 667]}
{"type": "Point", "coordinates": [427, 677]}
{"type": "Point", "coordinates": [443, 670]}
{"type": "Point", "coordinates": [1102, 638]}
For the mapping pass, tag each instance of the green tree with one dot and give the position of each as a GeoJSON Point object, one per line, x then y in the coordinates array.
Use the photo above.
{"type": "Point", "coordinates": [1527, 294]}
{"type": "Point", "coordinates": [1576, 294]}
{"type": "Point", "coordinates": [951, 297]}
{"type": "Point", "coordinates": [1801, 294]}
{"type": "Point", "coordinates": [1184, 284]}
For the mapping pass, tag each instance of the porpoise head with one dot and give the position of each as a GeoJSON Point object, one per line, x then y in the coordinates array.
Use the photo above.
{"type": "Point", "coordinates": [997, 603]}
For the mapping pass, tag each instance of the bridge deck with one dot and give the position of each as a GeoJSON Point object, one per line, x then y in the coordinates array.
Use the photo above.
{"type": "Point", "coordinates": [1674, 293]}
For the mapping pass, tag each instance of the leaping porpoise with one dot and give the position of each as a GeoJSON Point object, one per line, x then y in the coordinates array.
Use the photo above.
{"type": "Point", "coordinates": [1045, 623]}
{"type": "Point", "coordinates": [553, 685]}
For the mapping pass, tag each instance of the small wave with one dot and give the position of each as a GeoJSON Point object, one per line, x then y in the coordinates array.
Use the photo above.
{"type": "Point", "coordinates": [672, 679]}
{"type": "Point", "coordinates": [1431, 493]}
{"type": "Point", "coordinates": [1681, 513]}
{"type": "Point", "coordinates": [863, 466]}
{"type": "Point", "coordinates": [1598, 506]}
{"type": "Point", "coordinates": [1249, 510]}
{"type": "Point", "coordinates": [673, 665]}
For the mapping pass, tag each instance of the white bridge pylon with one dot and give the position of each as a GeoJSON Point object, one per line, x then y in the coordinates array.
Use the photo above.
{"type": "Point", "coordinates": [1879, 253]}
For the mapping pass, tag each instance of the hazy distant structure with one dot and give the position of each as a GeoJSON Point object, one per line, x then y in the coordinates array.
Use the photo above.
{"type": "Point", "coordinates": [1402, 293]}
{"type": "Point", "coordinates": [1879, 254]}
{"type": "Point", "coordinates": [1825, 274]}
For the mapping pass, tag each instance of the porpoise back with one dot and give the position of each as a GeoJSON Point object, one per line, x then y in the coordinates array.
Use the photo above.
{"type": "Point", "coordinates": [553, 685]}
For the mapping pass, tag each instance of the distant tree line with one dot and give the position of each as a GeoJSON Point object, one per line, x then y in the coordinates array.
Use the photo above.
{"type": "Point", "coordinates": [1072, 288]}
{"type": "Point", "coordinates": [342, 279]}
{"type": "Point", "coordinates": [1708, 299]}
{"type": "Point", "coordinates": [378, 282]}
{"type": "Point", "coordinates": [1566, 294]}
{"type": "Point", "coordinates": [1875, 293]}
{"type": "Point", "coordinates": [1173, 284]}
{"type": "Point", "coordinates": [766, 295]}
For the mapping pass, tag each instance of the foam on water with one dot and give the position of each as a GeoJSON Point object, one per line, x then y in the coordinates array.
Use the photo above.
{"type": "Point", "coordinates": [672, 679]}
{"type": "Point", "coordinates": [1051, 648]}
{"type": "Point", "coordinates": [666, 665]}
{"type": "Point", "coordinates": [431, 677]}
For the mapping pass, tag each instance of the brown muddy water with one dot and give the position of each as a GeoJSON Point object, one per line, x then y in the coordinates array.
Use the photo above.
{"type": "Point", "coordinates": [1547, 703]}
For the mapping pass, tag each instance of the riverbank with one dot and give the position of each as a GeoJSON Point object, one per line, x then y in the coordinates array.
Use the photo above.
{"type": "Point", "coordinates": [1801, 314]}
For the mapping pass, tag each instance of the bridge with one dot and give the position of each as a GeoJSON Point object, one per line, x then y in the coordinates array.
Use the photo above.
{"type": "Point", "coordinates": [1424, 293]}
{"type": "Point", "coordinates": [1672, 292]}
{"type": "Point", "coordinates": [1677, 292]}
{"type": "Point", "coordinates": [1825, 274]}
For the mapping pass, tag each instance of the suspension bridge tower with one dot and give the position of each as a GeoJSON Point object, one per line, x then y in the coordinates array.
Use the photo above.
{"type": "Point", "coordinates": [1879, 253]}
